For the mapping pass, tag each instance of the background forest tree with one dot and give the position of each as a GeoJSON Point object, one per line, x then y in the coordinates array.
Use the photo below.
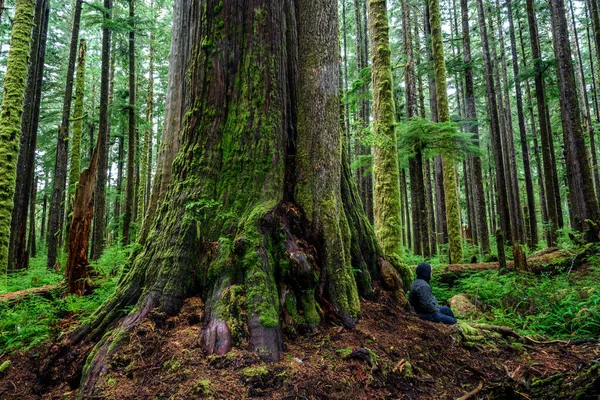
{"type": "Point", "coordinates": [448, 131]}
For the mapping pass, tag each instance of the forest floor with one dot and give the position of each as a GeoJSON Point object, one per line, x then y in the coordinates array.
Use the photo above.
{"type": "Point", "coordinates": [390, 354]}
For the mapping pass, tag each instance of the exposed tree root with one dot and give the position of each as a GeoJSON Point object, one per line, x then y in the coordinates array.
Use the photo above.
{"type": "Point", "coordinates": [473, 392]}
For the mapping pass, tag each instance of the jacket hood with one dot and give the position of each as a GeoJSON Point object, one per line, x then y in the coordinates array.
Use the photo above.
{"type": "Point", "coordinates": [424, 272]}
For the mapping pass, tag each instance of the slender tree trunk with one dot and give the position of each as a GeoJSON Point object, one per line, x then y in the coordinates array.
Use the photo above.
{"type": "Point", "coordinates": [419, 201]}
{"type": "Point", "coordinates": [18, 254]}
{"type": "Point", "coordinates": [501, 187]}
{"type": "Point", "coordinates": [579, 175]}
{"type": "Point", "coordinates": [57, 206]}
{"type": "Point", "coordinates": [129, 180]}
{"type": "Point", "coordinates": [405, 211]}
{"type": "Point", "coordinates": [31, 242]}
{"type": "Point", "coordinates": [119, 183]}
{"type": "Point", "coordinates": [75, 167]}
{"type": "Point", "coordinates": [44, 206]}
{"type": "Point", "coordinates": [532, 234]}
{"type": "Point", "coordinates": [473, 127]}
{"type": "Point", "coordinates": [546, 136]}
{"type": "Point", "coordinates": [10, 117]}
{"type": "Point", "coordinates": [98, 234]}
{"type": "Point", "coordinates": [450, 190]}
{"type": "Point", "coordinates": [440, 202]}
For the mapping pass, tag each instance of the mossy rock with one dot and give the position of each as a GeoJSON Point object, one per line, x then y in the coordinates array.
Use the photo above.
{"type": "Point", "coordinates": [462, 306]}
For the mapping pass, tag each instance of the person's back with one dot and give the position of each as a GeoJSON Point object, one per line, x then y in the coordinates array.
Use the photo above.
{"type": "Point", "coordinates": [424, 302]}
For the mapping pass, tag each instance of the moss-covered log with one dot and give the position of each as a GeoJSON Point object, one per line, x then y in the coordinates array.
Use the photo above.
{"type": "Point", "coordinates": [10, 116]}
{"type": "Point", "coordinates": [261, 217]}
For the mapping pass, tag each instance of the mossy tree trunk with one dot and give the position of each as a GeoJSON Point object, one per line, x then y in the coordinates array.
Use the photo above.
{"type": "Point", "coordinates": [18, 254]}
{"type": "Point", "coordinates": [443, 110]}
{"type": "Point", "coordinates": [99, 229]}
{"type": "Point", "coordinates": [579, 174]}
{"type": "Point", "coordinates": [75, 165]}
{"type": "Point", "coordinates": [57, 205]}
{"type": "Point", "coordinates": [146, 154]}
{"type": "Point", "coordinates": [386, 173]}
{"type": "Point", "coordinates": [15, 80]}
{"type": "Point", "coordinates": [260, 218]}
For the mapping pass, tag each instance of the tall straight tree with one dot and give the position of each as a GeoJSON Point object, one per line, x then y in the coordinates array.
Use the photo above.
{"type": "Point", "coordinates": [388, 228]}
{"type": "Point", "coordinates": [443, 110]}
{"type": "Point", "coordinates": [18, 254]}
{"type": "Point", "coordinates": [15, 80]}
{"type": "Point", "coordinates": [131, 141]}
{"type": "Point", "coordinates": [57, 206]}
{"type": "Point", "coordinates": [75, 167]}
{"type": "Point", "coordinates": [496, 138]}
{"type": "Point", "coordinates": [267, 186]}
{"type": "Point", "coordinates": [579, 175]}
{"type": "Point", "coordinates": [417, 182]}
{"type": "Point", "coordinates": [532, 235]}
{"type": "Point", "coordinates": [98, 233]}
{"type": "Point", "coordinates": [545, 134]}
{"type": "Point", "coordinates": [473, 127]}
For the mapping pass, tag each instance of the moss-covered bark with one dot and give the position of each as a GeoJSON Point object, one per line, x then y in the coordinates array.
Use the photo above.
{"type": "Point", "coordinates": [78, 116]}
{"type": "Point", "coordinates": [443, 110]}
{"type": "Point", "coordinates": [388, 226]}
{"type": "Point", "coordinates": [10, 116]}
{"type": "Point", "coordinates": [261, 216]}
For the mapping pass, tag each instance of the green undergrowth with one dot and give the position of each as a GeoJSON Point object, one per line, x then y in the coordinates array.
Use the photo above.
{"type": "Point", "coordinates": [564, 306]}
{"type": "Point", "coordinates": [28, 322]}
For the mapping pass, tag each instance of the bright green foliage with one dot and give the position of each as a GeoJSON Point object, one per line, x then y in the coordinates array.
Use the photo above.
{"type": "Point", "coordinates": [15, 80]}
{"type": "Point", "coordinates": [562, 306]}
{"type": "Point", "coordinates": [31, 321]}
{"type": "Point", "coordinates": [388, 227]}
{"type": "Point", "coordinates": [450, 189]}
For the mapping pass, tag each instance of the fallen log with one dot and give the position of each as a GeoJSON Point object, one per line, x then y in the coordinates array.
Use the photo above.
{"type": "Point", "coordinates": [44, 291]}
{"type": "Point", "coordinates": [551, 261]}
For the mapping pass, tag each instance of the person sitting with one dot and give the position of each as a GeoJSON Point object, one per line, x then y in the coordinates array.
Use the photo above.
{"type": "Point", "coordinates": [424, 302]}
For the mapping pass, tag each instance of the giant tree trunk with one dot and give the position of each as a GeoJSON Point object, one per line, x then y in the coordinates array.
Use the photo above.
{"type": "Point", "coordinates": [57, 206]}
{"type": "Point", "coordinates": [10, 117]}
{"type": "Point", "coordinates": [18, 254]}
{"type": "Point", "coordinates": [98, 238]}
{"type": "Point", "coordinates": [471, 115]}
{"type": "Point", "coordinates": [579, 175]}
{"type": "Point", "coordinates": [450, 189]}
{"type": "Point", "coordinates": [260, 218]}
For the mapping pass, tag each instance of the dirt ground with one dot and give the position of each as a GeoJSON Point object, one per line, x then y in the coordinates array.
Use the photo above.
{"type": "Point", "coordinates": [389, 355]}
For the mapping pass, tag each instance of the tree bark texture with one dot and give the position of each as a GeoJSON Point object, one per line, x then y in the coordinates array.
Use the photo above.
{"type": "Point", "coordinates": [15, 80]}
{"type": "Point", "coordinates": [18, 254]}
{"type": "Point", "coordinates": [255, 218]}
{"type": "Point", "coordinates": [99, 230]}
